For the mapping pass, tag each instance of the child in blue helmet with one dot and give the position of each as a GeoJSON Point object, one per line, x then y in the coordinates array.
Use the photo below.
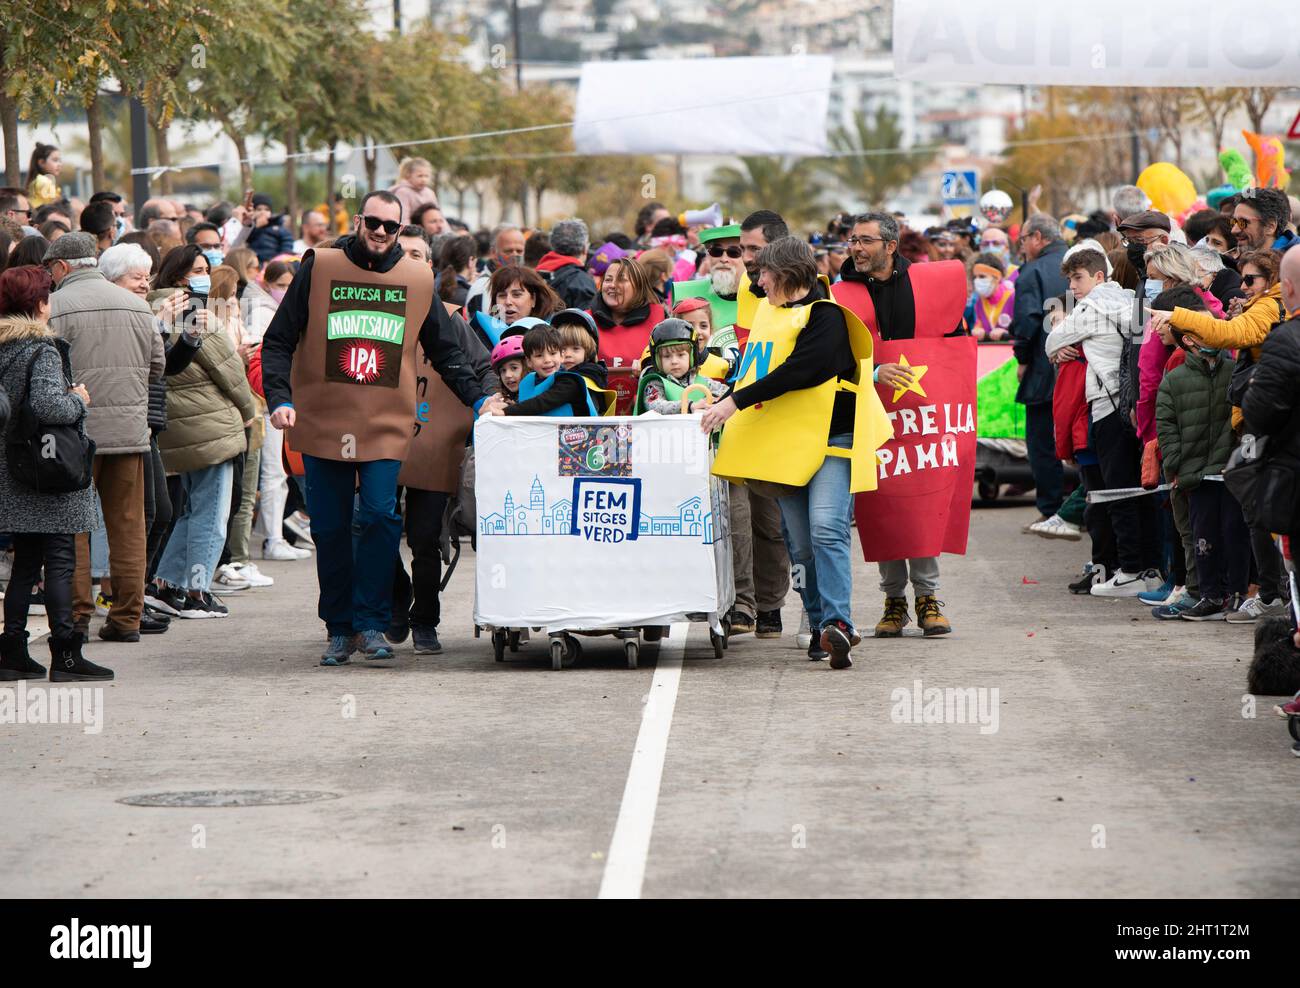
{"type": "Point", "coordinates": [548, 389]}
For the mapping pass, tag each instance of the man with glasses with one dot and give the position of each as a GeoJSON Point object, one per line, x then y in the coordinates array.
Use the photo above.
{"type": "Point", "coordinates": [1260, 220]}
{"type": "Point", "coordinates": [892, 297]}
{"type": "Point", "coordinates": [994, 240]}
{"type": "Point", "coordinates": [339, 366]}
{"type": "Point", "coordinates": [15, 204]}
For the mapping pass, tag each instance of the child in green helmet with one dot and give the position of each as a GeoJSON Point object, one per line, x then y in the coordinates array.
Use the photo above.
{"type": "Point", "coordinates": [675, 356]}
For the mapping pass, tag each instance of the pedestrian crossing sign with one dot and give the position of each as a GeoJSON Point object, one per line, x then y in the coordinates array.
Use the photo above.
{"type": "Point", "coordinates": [960, 187]}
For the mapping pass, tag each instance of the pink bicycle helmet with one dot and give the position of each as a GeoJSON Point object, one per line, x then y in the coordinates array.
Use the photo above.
{"type": "Point", "coordinates": [511, 348]}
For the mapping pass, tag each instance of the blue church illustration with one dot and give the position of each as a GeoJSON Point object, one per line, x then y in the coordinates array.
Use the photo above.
{"type": "Point", "coordinates": [535, 517]}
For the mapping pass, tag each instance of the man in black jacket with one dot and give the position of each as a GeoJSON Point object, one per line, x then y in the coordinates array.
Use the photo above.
{"type": "Point", "coordinates": [1040, 280]}
{"type": "Point", "coordinates": [565, 264]}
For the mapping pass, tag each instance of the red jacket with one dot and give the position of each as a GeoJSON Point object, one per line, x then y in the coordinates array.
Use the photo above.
{"type": "Point", "coordinates": [1070, 412]}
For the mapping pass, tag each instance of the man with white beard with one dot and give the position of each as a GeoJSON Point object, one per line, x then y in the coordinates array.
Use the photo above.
{"type": "Point", "coordinates": [760, 563]}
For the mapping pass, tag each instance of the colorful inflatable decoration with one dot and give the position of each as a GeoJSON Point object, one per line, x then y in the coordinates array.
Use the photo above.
{"type": "Point", "coordinates": [1235, 169]}
{"type": "Point", "coordinates": [1270, 159]}
{"type": "Point", "coordinates": [1000, 415]}
{"type": "Point", "coordinates": [1168, 188]}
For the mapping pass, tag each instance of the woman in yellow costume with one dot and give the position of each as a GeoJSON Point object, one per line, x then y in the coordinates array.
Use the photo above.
{"type": "Point", "coordinates": [800, 422]}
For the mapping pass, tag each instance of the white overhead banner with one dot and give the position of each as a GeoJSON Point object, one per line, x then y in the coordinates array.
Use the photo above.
{"type": "Point", "coordinates": [1099, 43]}
{"type": "Point", "coordinates": [704, 106]}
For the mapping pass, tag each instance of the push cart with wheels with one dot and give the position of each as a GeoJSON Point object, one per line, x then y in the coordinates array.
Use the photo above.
{"type": "Point", "coordinates": [612, 527]}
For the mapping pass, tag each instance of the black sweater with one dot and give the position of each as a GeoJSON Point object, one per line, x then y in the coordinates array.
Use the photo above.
{"type": "Point", "coordinates": [437, 334]}
{"type": "Point", "coordinates": [821, 352]}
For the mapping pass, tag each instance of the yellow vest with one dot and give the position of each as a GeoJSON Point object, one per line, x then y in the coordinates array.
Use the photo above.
{"type": "Point", "coordinates": [784, 440]}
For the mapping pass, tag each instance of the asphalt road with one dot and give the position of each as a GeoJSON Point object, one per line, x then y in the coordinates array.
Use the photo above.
{"type": "Point", "coordinates": [1119, 762]}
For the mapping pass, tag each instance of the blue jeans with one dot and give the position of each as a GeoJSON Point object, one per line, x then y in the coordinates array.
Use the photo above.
{"type": "Point", "coordinates": [194, 548]}
{"type": "Point", "coordinates": [1049, 475]}
{"type": "Point", "coordinates": [818, 534]}
{"type": "Point", "coordinates": [356, 551]}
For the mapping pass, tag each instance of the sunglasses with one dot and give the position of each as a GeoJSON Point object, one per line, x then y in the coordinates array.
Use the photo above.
{"type": "Point", "coordinates": [1250, 279]}
{"type": "Point", "coordinates": [734, 252]}
{"type": "Point", "coordinates": [374, 223]}
{"type": "Point", "coordinates": [1240, 223]}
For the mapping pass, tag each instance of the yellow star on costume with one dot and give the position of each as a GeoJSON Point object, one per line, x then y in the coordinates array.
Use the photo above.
{"type": "Point", "coordinates": [915, 386]}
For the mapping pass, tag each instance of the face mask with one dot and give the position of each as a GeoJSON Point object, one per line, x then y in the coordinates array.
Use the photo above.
{"type": "Point", "coordinates": [1152, 288]}
{"type": "Point", "coordinates": [1208, 352]}
{"type": "Point", "coordinates": [200, 284]}
{"type": "Point", "coordinates": [984, 287]}
{"type": "Point", "coordinates": [997, 251]}
{"type": "Point", "coordinates": [215, 256]}
{"type": "Point", "coordinates": [1136, 253]}
{"type": "Point", "coordinates": [278, 294]}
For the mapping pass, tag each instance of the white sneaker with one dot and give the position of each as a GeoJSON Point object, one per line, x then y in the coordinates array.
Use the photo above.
{"type": "Point", "coordinates": [1124, 584]}
{"type": "Point", "coordinates": [803, 637]}
{"type": "Point", "coordinates": [253, 575]}
{"type": "Point", "coordinates": [228, 580]}
{"type": "Point", "coordinates": [300, 525]}
{"type": "Point", "coordinates": [281, 551]}
{"type": "Point", "coordinates": [1057, 527]}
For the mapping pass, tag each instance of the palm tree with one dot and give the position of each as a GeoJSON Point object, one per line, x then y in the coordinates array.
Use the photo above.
{"type": "Point", "coordinates": [786, 185]}
{"type": "Point", "coordinates": [868, 159]}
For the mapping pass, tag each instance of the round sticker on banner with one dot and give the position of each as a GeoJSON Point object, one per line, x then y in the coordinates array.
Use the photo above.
{"type": "Point", "coordinates": [623, 432]}
{"type": "Point", "coordinates": [1004, 320]}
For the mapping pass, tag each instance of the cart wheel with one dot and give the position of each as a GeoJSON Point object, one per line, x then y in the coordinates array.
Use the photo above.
{"type": "Point", "coordinates": [477, 631]}
{"type": "Point", "coordinates": [632, 647]}
{"type": "Point", "coordinates": [513, 639]}
{"type": "Point", "coordinates": [557, 654]}
{"type": "Point", "coordinates": [1293, 725]}
{"type": "Point", "coordinates": [726, 635]}
{"type": "Point", "coordinates": [572, 649]}
{"type": "Point", "coordinates": [988, 490]}
{"type": "Point", "coordinates": [719, 643]}
{"type": "Point", "coordinates": [499, 645]}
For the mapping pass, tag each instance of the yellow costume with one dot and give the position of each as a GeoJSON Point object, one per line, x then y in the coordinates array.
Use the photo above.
{"type": "Point", "coordinates": [784, 441]}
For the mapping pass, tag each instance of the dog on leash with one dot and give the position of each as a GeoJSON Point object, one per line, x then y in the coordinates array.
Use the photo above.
{"type": "Point", "coordinates": [1275, 669]}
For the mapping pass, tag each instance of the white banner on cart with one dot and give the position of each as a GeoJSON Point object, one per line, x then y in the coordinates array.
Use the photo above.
{"type": "Point", "coordinates": [595, 523]}
{"type": "Point", "coordinates": [1101, 43]}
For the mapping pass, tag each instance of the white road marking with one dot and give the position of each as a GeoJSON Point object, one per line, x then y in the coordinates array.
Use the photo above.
{"type": "Point", "coordinates": [630, 845]}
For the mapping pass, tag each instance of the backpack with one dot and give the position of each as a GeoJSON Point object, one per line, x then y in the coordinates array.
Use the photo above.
{"type": "Point", "coordinates": [49, 459]}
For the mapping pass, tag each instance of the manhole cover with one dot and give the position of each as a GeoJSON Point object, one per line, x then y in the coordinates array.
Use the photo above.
{"type": "Point", "coordinates": [229, 797]}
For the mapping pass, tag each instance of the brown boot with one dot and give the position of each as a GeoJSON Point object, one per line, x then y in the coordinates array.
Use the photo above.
{"type": "Point", "coordinates": [895, 619]}
{"type": "Point", "coordinates": [930, 618]}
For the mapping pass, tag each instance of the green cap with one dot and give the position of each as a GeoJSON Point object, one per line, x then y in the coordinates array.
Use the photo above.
{"type": "Point", "coordinates": [719, 233]}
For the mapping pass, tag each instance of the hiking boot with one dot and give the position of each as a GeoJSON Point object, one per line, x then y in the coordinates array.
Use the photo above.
{"type": "Point", "coordinates": [67, 665]}
{"type": "Point", "coordinates": [112, 633]}
{"type": "Point", "coordinates": [838, 639]}
{"type": "Point", "coordinates": [740, 623]}
{"type": "Point", "coordinates": [426, 640]}
{"type": "Point", "coordinates": [768, 624]}
{"type": "Point", "coordinates": [375, 649]}
{"type": "Point", "coordinates": [15, 661]}
{"type": "Point", "coordinates": [895, 618]}
{"type": "Point", "coordinates": [930, 617]}
{"type": "Point", "coordinates": [1205, 609]}
{"type": "Point", "coordinates": [339, 652]}
{"type": "Point", "coordinates": [1093, 573]}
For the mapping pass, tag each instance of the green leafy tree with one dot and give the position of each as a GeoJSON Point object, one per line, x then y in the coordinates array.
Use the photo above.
{"type": "Point", "coordinates": [790, 187]}
{"type": "Point", "coordinates": [868, 158]}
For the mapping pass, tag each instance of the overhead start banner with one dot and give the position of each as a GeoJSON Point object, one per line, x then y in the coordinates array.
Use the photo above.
{"type": "Point", "coordinates": [761, 105]}
{"type": "Point", "coordinates": [922, 506]}
{"type": "Point", "coordinates": [1100, 43]}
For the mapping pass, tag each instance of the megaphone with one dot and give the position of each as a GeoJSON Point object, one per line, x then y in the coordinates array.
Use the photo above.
{"type": "Point", "coordinates": [702, 217]}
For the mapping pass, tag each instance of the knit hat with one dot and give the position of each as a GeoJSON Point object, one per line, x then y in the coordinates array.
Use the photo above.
{"type": "Point", "coordinates": [605, 255]}
{"type": "Point", "coordinates": [71, 247]}
{"type": "Point", "coordinates": [262, 199]}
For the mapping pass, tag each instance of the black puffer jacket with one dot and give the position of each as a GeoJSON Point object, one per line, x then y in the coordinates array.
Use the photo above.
{"type": "Point", "coordinates": [1273, 395]}
{"type": "Point", "coordinates": [179, 356]}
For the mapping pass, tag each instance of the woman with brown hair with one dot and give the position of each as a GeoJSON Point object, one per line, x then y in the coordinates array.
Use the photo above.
{"type": "Point", "coordinates": [518, 291]}
{"type": "Point", "coordinates": [626, 310]}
